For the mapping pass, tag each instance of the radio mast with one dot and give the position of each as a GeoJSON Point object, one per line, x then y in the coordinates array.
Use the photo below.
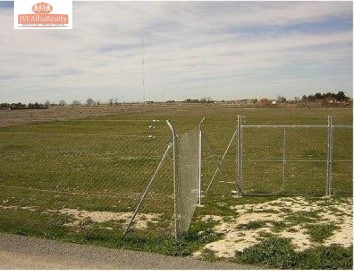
{"type": "Point", "coordinates": [143, 64]}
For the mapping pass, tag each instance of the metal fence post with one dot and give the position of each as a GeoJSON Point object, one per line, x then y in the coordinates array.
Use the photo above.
{"type": "Point", "coordinates": [146, 191]}
{"type": "Point", "coordinates": [174, 178]}
{"type": "Point", "coordinates": [329, 156]}
{"type": "Point", "coordinates": [200, 164]}
{"type": "Point", "coordinates": [221, 161]}
{"type": "Point", "coordinates": [284, 159]}
{"type": "Point", "coordinates": [239, 185]}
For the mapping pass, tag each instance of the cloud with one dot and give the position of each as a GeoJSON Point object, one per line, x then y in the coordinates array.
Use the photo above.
{"type": "Point", "coordinates": [192, 49]}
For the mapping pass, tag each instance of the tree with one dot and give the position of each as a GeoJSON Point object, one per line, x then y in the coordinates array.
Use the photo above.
{"type": "Point", "coordinates": [90, 101]}
{"type": "Point", "coordinates": [318, 96]}
{"type": "Point", "coordinates": [75, 103]}
{"type": "Point", "coordinates": [340, 96]}
{"type": "Point", "coordinates": [62, 103]}
{"type": "Point", "coordinates": [281, 99]}
{"type": "Point", "coordinates": [4, 106]}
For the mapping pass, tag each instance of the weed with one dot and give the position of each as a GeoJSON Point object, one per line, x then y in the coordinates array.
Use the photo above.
{"type": "Point", "coordinates": [332, 257]}
{"type": "Point", "coordinates": [268, 211]}
{"type": "Point", "coordinates": [278, 226]}
{"type": "Point", "coordinates": [302, 217]}
{"type": "Point", "coordinates": [252, 225]}
{"type": "Point", "coordinates": [292, 230]}
{"type": "Point", "coordinates": [277, 252]}
{"type": "Point", "coordinates": [208, 255]}
{"type": "Point", "coordinates": [320, 232]}
{"type": "Point", "coordinates": [273, 252]}
{"type": "Point", "coordinates": [264, 234]}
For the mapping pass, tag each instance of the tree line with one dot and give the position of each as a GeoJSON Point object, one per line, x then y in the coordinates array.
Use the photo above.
{"type": "Point", "coordinates": [328, 97]}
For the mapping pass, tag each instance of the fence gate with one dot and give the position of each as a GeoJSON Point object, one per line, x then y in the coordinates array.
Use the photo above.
{"type": "Point", "coordinates": [293, 159]}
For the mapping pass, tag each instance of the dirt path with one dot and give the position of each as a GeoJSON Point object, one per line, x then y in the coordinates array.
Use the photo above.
{"type": "Point", "coordinates": [20, 252]}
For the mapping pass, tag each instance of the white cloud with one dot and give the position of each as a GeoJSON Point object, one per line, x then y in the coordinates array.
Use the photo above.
{"type": "Point", "coordinates": [192, 49]}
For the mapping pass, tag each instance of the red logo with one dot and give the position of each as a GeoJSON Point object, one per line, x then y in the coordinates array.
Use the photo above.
{"type": "Point", "coordinates": [42, 8]}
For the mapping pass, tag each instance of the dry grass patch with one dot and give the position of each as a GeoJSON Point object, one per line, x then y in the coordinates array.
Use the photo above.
{"type": "Point", "coordinates": [305, 222]}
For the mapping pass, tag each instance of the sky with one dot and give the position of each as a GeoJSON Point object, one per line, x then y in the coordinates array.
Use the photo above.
{"type": "Point", "coordinates": [222, 50]}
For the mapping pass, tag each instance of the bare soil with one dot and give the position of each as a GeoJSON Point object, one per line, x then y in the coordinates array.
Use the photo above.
{"type": "Point", "coordinates": [26, 116]}
{"type": "Point", "coordinates": [324, 211]}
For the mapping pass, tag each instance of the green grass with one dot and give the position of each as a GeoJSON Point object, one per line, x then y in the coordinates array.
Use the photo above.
{"type": "Point", "coordinates": [301, 217]}
{"type": "Point", "coordinates": [278, 253]}
{"type": "Point", "coordinates": [104, 163]}
{"type": "Point", "coordinates": [50, 225]}
{"type": "Point", "coordinates": [320, 232]}
{"type": "Point", "coordinates": [252, 225]}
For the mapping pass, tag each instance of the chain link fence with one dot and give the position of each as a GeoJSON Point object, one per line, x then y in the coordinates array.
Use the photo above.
{"type": "Point", "coordinates": [218, 152]}
{"type": "Point", "coordinates": [88, 177]}
{"type": "Point", "coordinates": [102, 179]}
{"type": "Point", "coordinates": [256, 159]}
{"type": "Point", "coordinates": [187, 179]}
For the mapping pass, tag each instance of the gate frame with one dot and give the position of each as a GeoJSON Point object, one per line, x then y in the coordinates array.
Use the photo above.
{"type": "Point", "coordinates": [329, 160]}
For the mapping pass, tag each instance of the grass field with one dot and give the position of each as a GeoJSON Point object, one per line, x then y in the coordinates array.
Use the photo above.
{"type": "Point", "coordinates": [79, 179]}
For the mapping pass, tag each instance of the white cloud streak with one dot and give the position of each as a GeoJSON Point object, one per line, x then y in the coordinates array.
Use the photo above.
{"type": "Point", "coordinates": [192, 49]}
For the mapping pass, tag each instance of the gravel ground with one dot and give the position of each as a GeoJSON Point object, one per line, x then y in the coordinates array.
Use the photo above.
{"type": "Point", "coordinates": [20, 252]}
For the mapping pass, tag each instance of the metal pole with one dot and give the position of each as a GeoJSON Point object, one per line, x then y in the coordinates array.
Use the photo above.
{"type": "Point", "coordinates": [284, 160]}
{"type": "Point", "coordinates": [239, 155]}
{"type": "Point", "coordinates": [174, 178]}
{"type": "Point", "coordinates": [329, 156]}
{"type": "Point", "coordinates": [200, 165]}
{"type": "Point", "coordinates": [220, 162]}
{"type": "Point", "coordinates": [143, 64]}
{"type": "Point", "coordinates": [146, 190]}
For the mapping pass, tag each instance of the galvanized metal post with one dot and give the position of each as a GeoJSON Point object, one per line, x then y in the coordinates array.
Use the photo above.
{"type": "Point", "coordinates": [174, 179]}
{"type": "Point", "coordinates": [284, 159]}
{"type": "Point", "coordinates": [239, 184]}
{"type": "Point", "coordinates": [329, 156]}
{"type": "Point", "coordinates": [200, 164]}
{"type": "Point", "coordinates": [221, 161]}
{"type": "Point", "coordinates": [146, 190]}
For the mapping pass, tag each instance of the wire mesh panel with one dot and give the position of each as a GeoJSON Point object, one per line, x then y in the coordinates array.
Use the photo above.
{"type": "Point", "coordinates": [311, 160]}
{"type": "Point", "coordinates": [342, 170]}
{"type": "Point", "coordinates": [262, 151]}
{"type": "Point", "coordinates": [218, 159]}
{"type": "Point", "coordinates": [306, 161]}
{"type": "Point", "coordinates": [284, 160]}
{"type": "Point", "coordinates": [83, 179]}
{"type": "Point", "coordinates": [187, 170]}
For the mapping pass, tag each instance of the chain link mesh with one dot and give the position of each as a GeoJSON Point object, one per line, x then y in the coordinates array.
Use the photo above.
{"type": "Point", "coordinates": [342, 174]}
{"type": "Point", "coordinates": [278, 160]}
{"type": "Point", "coordinates": [87, 177]}
{"type": "Point", "coordinates": [187, 181]}
{"type": "Point", "coordinates": [294, 160]}
{"type": "Point", "coordinates": [218, 161]}
{"type": "Point", "coordinates": [83, 179]}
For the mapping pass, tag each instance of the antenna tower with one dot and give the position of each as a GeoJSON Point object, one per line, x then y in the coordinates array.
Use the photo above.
{"type": "Point", "coordinates": [143, 64]}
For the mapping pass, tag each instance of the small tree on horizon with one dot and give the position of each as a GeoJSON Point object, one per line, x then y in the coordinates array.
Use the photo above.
{"type": "Point", "coordinates": [75, 103]}
{"type": "Point", "coordinates": [90, 101]}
